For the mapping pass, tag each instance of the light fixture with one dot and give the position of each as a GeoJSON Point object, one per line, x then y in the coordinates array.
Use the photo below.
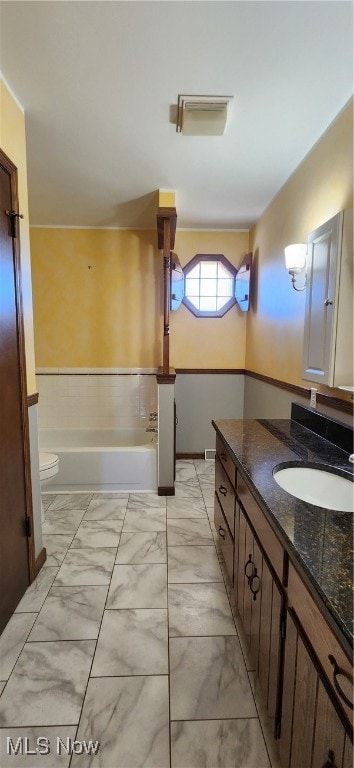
{"type": "Point", "coordinates": [202, 115]}
{"type": "Point", "coordinates": [295, 261]}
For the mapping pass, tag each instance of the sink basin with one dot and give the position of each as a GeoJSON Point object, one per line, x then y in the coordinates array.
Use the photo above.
{"type": "Point", "coordinates": [321, 487]}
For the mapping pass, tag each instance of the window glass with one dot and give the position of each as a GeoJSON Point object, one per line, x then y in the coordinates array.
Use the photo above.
{"type": "Point", "coordinates": [192, 287]}
{"type": "Point", "coordinates": [209, 285]}
{"type": "Point", "coordinates": [208, 303]}
{"type": "Point", "coordinates": [208, 268]}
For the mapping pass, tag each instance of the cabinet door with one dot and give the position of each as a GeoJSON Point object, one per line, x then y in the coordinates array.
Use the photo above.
{"type": "Point", "coordinates": [241, 559]}
{"type": "Point", "coordinates": [248, 573]}
{"type": "Point", "coordinates": [288, 692]}
{"type": "Point", "coordinates": [255, 589]}
{"type": "Point", "coordinates": [323, 255]}
{"type": "Point", "coordinates": [275, 649]}
{"type": "Point", "coordinates": [304, 708]}
{"type": "Point", "coordinates": [312, 734]}
{"type": "Point", "coordinates": [329, 735]}
{"type": "Point", "coordinates": [265, 632]}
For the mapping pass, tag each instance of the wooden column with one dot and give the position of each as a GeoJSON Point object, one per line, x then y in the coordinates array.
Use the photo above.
{"type": "Point", "coordinates": [166, 230]}
{"type": "Point", "coordinates": [166, 295]}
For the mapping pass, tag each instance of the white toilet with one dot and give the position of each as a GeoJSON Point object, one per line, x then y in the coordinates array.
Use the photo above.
{"type": "Point", "coordinates": [48, 468]}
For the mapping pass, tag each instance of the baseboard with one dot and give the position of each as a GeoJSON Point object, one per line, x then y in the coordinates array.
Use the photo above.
{"type": "Point", "coordinates": [166, 490]}
{"type": "Point", "coordinates": [189, 455]}
{"type": "Point", "coordinates": [40, 560]}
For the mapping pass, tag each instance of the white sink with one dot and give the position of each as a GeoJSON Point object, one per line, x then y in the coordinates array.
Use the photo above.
{"type": "Point", "coordinates": [320, 487]}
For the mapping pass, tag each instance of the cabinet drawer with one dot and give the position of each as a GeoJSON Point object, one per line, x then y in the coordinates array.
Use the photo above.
{"type": "Point", "coordinates": [226, 460]}
{"type": "Point", "coordinates": [322, 638]}
{"type": "Point", "coordinates": [267, 538]}
{"type": "Point", "coordinates": [226, 495]}
{"type": "Point", "coordinates": [225, 539]}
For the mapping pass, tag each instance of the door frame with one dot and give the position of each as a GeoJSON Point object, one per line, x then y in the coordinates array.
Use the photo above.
{"type": "Point", "coordinates": [11, 169]}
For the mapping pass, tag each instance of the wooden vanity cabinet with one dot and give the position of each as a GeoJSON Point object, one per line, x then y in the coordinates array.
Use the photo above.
{"type": "Point", "coordinates": [297, 657]}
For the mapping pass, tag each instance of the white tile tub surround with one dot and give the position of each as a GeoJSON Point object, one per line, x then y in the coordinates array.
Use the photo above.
{"type": "Point", "coordinates": [96, 398]}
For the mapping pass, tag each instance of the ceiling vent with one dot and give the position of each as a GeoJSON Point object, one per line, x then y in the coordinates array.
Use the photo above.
{"type": "Point", "coordinates": [202, 115]}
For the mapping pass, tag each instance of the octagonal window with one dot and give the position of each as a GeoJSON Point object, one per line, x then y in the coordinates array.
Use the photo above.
{"type": "Point", "coordinates": [209, 285]}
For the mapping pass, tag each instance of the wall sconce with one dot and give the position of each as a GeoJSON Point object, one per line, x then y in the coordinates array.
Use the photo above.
{"type": "Point", "coordinates": [295, 261]}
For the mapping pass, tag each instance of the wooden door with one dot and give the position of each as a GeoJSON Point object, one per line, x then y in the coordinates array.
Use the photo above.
{"type": "Point", "coordinates": [15, 496]}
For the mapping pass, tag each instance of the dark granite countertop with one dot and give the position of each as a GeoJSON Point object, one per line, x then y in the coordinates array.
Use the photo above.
{"type": "Point", "coordinates": [319, 541]}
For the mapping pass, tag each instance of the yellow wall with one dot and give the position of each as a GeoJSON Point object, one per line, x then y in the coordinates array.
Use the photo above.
{"type": "Point", "coordinates": [97, 298]}
{"type": "Point", "coordinates": [320, 187]}
{"type": "Point", "coordinates": [13, 143]}
{"type": "Point", "coordinates": [200, 342]}
{"type": "Point", "coordinates": [98, 301]}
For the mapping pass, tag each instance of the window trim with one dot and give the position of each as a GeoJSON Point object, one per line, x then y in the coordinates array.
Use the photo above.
{"type": "Point", "coordinates": [219, 257]}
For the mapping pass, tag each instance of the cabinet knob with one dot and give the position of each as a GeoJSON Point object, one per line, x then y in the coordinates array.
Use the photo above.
{"type": "Point", "coordinates": [223, 490]}
{"type": "Point", "coordinates": [221, 532]}
{"type": "Point", "coordinates": [223, 456]}
{"type": "Point", "coordinates": [328, 302]}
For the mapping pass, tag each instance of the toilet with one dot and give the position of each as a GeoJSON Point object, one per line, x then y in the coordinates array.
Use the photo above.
{"type": "Point", "coordinates": [48, 468]}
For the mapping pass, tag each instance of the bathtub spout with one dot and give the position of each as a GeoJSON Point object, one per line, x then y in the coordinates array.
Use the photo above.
{"type": "Point", "coordinates": [151, 429]}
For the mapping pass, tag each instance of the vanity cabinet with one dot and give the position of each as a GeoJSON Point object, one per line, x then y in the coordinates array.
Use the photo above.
{"type": "Point", "coordinates": [304, 675]}
{"type": "Point", "coordinates": [328, 331]}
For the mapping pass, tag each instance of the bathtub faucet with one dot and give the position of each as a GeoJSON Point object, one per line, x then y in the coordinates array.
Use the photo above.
{"type": "Point", "coordinates": [151, 429]}
{"type": "Point", "coordinates": [153, 416]}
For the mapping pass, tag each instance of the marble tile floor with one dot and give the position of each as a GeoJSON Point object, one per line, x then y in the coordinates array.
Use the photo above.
{"type": "Point", "coordinates": [127, 638]}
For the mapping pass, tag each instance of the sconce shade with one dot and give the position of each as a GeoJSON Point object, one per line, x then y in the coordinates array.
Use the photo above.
{"type": "Point", "coordinates": [295, 257]}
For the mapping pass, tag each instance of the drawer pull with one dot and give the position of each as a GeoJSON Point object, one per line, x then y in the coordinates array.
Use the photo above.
{"type": "Point", "coordinates": [223, 456]}
{"type": "Point", "coordinates": [338, 671]}
{"type": "Point", "coordinates": [223, 490]}
{"type": "Point", "coordinates": [221, 532]}
{"type": "Point", "coordinates": [254, 589]}
{"type": "Point", "coordinates": [249, 575]}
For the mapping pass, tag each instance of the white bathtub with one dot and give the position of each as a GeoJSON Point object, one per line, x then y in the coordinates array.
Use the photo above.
{"type": "Point", "coordinates": [102, 459]}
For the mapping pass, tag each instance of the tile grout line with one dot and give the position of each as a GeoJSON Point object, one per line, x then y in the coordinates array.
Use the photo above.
{"type": "Point", "coordinates": [98, 634]}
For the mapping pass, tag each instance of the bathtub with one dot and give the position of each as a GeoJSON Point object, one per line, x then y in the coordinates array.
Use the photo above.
{"type": "Point", "coordinates": [102, 459]}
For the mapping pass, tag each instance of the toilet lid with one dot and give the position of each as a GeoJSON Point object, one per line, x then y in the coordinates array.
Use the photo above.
{"type": "Point", "coordinates": [47, 460]}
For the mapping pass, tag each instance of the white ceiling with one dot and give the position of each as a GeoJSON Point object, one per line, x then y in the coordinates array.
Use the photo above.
{"type": "Point", "coordinates": [97, 81]}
